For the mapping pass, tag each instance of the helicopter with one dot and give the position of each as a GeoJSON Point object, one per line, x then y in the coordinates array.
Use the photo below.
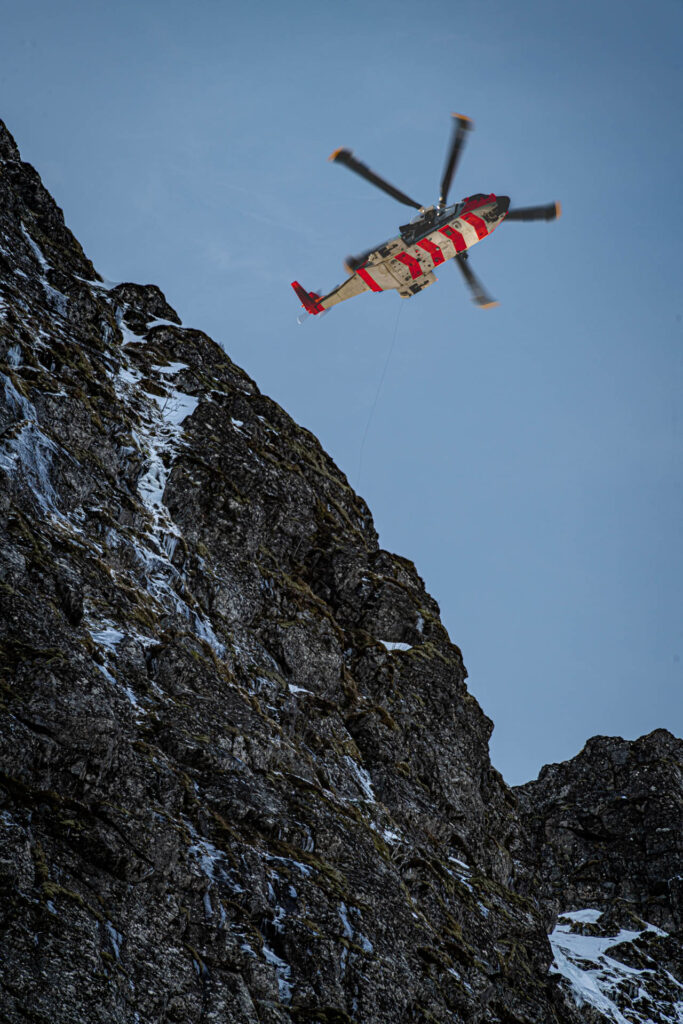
{"type": "Point", "coordinates": [435, 235]}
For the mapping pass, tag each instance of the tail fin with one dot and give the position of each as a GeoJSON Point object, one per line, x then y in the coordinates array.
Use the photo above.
{"type": "Point", "coordinates": [309, 300]}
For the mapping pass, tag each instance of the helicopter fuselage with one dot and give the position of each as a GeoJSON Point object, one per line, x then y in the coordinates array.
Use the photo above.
{"type": "Point", "coordinates": [407, 262]}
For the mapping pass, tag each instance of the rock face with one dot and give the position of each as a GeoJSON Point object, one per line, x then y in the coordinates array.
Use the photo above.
{"type": "Point", "coordinates": [606, 829]}
{"type": "Point", "coordinates": [602, 844]}
{"type": "Point", "coordinates": [241, 776]}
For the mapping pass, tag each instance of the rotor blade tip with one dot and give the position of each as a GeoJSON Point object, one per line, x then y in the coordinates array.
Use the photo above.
{"type": "Point", "coordinates": [488, 305]}
{"type": "Point", "coordinates": [464, 120]}
{"type": "Point", "coordinates": [558, 209]}
{"type": "Point", "coordinates": [337, 153]}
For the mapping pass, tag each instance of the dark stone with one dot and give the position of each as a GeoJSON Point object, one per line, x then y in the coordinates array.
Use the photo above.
{"type": "Point", "coordinates": [222, 797]}
{"type": "Point", "coordinates": [606, 829]}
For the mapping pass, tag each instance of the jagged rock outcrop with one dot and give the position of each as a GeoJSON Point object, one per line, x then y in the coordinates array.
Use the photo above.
{"type": "Point", "coordinates": [602, 845]}
{"type": "Point", "coordinates": [241, 776]}
{"type": "Point", "coordinates": [606, 828]}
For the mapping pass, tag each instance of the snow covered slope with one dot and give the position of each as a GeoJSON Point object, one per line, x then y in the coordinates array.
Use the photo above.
{"type": "Point", "coordinates": [621, 973]}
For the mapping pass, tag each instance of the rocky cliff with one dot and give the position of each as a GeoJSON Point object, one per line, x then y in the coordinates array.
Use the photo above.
{"type": "Point", "coordinates": [601, 845]}
{"type": "Point", "coordinates": [241, 776]}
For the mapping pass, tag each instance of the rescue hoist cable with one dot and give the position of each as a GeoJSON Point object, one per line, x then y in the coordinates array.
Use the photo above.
{"type": "Point", "coordinates": [379, 388]}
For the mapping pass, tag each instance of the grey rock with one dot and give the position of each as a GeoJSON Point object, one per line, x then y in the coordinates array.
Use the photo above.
{"type": "Point", "coordinates": [224, 794]}
{"type": "Point", "coordinates": [606, 829]}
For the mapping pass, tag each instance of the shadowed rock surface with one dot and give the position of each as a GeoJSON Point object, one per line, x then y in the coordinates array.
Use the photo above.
{"type": "Point", "coordinates": [241, 776]}
{"type": "Point", "coordinates": [606, 829]}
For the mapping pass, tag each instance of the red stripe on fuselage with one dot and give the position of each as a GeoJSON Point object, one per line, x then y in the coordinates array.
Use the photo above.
{"type": "Point", "coordinates": [433, 250]}
{"type": "Point", "coordinates": [455, 237]}
{"type": "Point", "coordinates": [372, 285]}
{"type": "Point", "coordinates": [411, 263]}
{"type": "Point", "coordinates": [477, 223]}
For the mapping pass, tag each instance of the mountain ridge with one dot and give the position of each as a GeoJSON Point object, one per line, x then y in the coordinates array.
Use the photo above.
{"type": "Point", "coordinates": [241, 776]}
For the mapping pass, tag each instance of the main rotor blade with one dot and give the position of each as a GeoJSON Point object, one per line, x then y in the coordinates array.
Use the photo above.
{"type": "Point", "coordinates": [477, 290]}
{"type": "Point", "coordinates": [462, 126]}
{"type": "Point", "coordinates": [548, 212]}
{"type": "Point", "coordinates": [346, 157]}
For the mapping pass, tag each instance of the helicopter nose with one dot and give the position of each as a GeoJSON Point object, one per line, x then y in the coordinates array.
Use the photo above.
{"type": "Point", "coordinates": [503, 204]}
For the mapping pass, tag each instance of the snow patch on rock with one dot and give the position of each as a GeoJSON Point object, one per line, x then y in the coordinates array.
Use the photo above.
{"type": "Point", "coordinates": [597, 977]}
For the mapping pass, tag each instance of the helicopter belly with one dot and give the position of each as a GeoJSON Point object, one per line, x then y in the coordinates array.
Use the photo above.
{"type": "Point", "coordinates": [418, 285]}
{"type": "Point", "coordinates": [399, 267]}
{"type": "Point", "coordinates": [378, 276]}
{"type": "Point", "coordinates": [409, 268]}
{"type": "Point", "coordinates": [393, 275]}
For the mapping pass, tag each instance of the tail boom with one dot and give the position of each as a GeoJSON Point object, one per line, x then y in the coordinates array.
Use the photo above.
{"type": "Point", "coordinates": [314, 303]}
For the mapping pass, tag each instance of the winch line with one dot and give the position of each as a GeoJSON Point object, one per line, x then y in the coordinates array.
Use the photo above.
{"type": "Point", "coordinates": [379, 388]}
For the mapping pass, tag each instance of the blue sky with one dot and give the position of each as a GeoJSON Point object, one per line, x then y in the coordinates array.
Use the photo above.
{"type": "Point", "coordinates": [527, 458]}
